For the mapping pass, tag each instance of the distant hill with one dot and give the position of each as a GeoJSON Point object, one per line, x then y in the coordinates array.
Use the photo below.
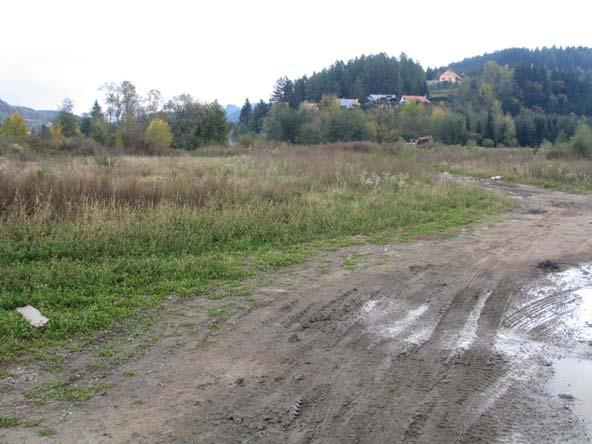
{"type": "Point", "coordinates": [232, 113]}
{"type": "Point", "coordinates": [575, 59]}
{"type": "Point", "coordinates": [34, 118]}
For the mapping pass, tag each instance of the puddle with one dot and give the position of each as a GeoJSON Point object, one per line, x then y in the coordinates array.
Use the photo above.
{"type": "Point", "coordinates": [572, 379]}
{"type": "Point", "coordinates": [561, 302]}
{"type": "Point", "coordinates": [583, 314]}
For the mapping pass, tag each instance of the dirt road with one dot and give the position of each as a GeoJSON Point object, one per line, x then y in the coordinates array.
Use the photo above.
{"type": "Point", "coordinates": [428, 342]}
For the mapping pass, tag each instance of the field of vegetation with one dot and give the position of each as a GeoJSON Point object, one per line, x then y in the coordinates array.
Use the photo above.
{"type": "Point", "coordinates": [518, 165]}
{"type": "Point", "coordinates": [92, 240]}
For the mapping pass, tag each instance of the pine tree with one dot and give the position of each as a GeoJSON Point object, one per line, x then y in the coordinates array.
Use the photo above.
{"type": "Point", "coordinates": [246, 114]}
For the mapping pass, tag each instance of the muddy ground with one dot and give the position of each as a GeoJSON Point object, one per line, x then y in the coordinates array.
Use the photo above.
{"type": "Point", "coordinates": [449, 340]}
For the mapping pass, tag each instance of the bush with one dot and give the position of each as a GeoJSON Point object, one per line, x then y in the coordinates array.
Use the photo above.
{"type": "Point", "coordinates": [79, 145]}
{"type": "Point", "coordinates": [246, 140]}
{"type": "Point", "coordinates": [487, 143]}
{"type": "Point", "coordinates": [581, 142]}
{"type": "Point", "coordinates": [158, 136]}
{"type": "Point", "coordinates": [14, 150]}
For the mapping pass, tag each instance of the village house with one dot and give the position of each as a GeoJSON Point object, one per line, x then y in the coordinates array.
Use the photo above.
{"type": "Point", "coordinates": [449, 76]}
{"type": "Point", "coordinates": [382, 100]}
{"type": "Point", "coordinates": [421, 99]}
{"type": "Point", "coordinates": [349, 103]}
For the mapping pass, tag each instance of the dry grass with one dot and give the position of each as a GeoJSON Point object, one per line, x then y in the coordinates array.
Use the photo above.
{"type": "Point", "coordinates": [72, 186]}
{"type": "Point", "coordinates": [515, 165]}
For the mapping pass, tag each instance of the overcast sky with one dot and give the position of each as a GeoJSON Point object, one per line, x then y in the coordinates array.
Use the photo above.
{"type": "Point", "coordinates": [229, 50]}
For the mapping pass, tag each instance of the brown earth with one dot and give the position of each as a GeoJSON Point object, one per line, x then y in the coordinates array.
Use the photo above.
{"type": "Point", "coordinates": [432, 341]}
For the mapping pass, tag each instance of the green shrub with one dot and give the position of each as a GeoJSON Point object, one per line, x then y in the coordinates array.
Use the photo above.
{"type": "Point", "coordinates": [158, 136]}
{"type": "Point", "coordinates": [246, 140]}
{"type": "Point", "coordinates": [487, 143]}
{"type": "Point", "coordinates": [581, 142]}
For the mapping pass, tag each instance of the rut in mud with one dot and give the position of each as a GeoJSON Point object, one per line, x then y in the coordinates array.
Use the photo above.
{"type": "Point", "coordinates": [449, 340]}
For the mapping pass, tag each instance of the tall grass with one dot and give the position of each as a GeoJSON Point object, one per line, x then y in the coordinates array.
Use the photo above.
{"type": "Point", "coordinates": [91, 242]}
{"type": "Point", "coordinates": [515, 165]}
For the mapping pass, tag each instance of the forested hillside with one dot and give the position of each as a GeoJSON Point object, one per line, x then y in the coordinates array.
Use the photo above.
{"type": "Point", "coordinates": [512, 97]}
{"type": "Point", "coordinates": [359, 77]}
{"type": "Point", "coordinates": [577, 59]}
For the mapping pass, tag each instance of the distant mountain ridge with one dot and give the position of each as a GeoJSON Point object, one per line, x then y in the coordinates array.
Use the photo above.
{"type": "Point", "coordinates": [232, 113]}
{"type": "Point", "coordinates": [34, 118]}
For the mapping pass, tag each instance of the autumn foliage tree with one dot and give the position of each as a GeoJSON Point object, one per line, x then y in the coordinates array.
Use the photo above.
{"type": "Point", "coordinates": [14, 127]}
{"type": "Point", "coordinates": [158, 136]}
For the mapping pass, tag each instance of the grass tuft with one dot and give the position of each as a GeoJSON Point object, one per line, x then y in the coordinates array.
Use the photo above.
{"type": "Point", "coordinates": [8, 421]}
{"type": "Point", "coordinates": [65, 391]}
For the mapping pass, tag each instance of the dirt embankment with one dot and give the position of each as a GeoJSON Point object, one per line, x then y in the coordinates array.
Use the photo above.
{"type": "Point", "coordinates": [436, 341]}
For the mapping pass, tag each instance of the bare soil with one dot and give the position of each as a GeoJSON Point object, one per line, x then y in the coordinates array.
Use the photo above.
{"type": "Point", "coordinates": [440, 340]}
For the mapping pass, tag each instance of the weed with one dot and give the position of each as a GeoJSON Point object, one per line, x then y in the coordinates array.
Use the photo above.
{"type": "Point", "coordinates": [65, 391]}
{"type": "Point", "coordinates": [8, 421]}
{"type": "Point", "coordinates": [6, 389]}
{"type": "Point", "coordinates": [355, 260]}
{"type": "Point", "coordinates": [129, 373]}
{"type": "Point", "coordinates": [5, 374]}
{"type": "Point", "coordinates": [46, 432]}
{"type": "Point", "coordinates": [33, 422]}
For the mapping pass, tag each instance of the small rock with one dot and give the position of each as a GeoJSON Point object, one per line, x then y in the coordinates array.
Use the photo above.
{"type": "Point", "coordinates": [298, 378]}
{"type": "Point", "coordinates": [239, 381]}
{"type": "Point", "coordinates": [294, 338]}
{"type": "Point", "coordinates": [566, 396]}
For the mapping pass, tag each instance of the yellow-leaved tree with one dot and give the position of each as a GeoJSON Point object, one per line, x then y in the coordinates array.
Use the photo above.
{"type": "Point", "coordinates": [14, 127]}
{"type": "Point", "coordinates": [158, 136]}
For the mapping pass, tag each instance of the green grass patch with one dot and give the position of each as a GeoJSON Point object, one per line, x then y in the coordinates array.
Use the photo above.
{"type": "Point", "coordinates": [8, 421]}
{"type": "Point", "coordinates": [46, 432]}
{"type": "Point", "coordinates": [5, 374]}
{"type": "Point", "coordinates": [6, 389]}
{"type": "Point", "coordinates": [65, 391]}
{"type": "Point", "coordinates": [32, 422]}
{"type": "Point", "coordinates": [355, 260]}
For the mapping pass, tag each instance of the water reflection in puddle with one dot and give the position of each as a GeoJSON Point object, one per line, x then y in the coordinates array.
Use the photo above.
{"type": "Point", "coordinates": [584, 313]}
{"type": "Point", "coordinates": [572, 378]}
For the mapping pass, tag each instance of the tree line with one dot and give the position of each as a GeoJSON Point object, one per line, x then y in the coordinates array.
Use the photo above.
{"type": "Point", "coordinates": [501, 105]}
{"type": "Point", "coordinates": [130, 122]}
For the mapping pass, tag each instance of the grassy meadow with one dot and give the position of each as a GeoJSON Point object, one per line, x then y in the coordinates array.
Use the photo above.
{"type": "Point", "coordinates": [90, 241]}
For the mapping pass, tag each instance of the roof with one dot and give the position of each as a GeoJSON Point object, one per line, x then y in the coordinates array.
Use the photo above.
{"type": "Point", "coordinates": [450, 72]}
{"type": "Point", "coordinates": [376, 97]}
{"type": "Point", "coordinates": [408, 98]}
